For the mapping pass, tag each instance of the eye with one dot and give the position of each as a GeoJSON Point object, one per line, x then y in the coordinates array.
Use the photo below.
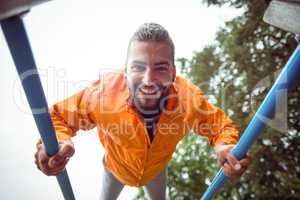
{"type": "Point", "coordinates": [162, 68]}
{"type": "Point", "coordinates": [138, 68]}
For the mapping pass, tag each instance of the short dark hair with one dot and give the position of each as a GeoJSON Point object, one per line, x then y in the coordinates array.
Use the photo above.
{"type": "Point", "coordinates": [153, 32]}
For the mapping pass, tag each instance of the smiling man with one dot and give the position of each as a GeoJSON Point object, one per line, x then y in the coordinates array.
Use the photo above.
{"type": "Point", "coordinates": [141, 114]}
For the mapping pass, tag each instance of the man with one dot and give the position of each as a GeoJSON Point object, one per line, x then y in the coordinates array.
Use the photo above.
{"type": "Point", "coordinates": [141, 114]}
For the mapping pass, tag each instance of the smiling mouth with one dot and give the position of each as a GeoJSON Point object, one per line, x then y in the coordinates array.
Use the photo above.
{"type": "Point", "coordinates": [148, 91]}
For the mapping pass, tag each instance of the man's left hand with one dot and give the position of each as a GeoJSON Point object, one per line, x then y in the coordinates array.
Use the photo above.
{"type": "Point", "coordinates": [231, 165]}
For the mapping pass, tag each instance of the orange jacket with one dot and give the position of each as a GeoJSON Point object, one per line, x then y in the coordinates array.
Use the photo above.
{"type": "Point", "coordinates": [129, 154]}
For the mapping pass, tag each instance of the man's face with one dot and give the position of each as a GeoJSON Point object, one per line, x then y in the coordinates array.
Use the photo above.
{"type": "Point", "coordinates": [149, 71]}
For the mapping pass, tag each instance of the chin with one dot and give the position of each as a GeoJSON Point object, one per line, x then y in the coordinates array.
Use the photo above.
{"type": "Point", "coordinates": [145, 105]}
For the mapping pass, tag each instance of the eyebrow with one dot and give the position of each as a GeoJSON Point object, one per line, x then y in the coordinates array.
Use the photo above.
{"type": "Point", "coordinates": [138, 62]}
{"type": "Point", "coordinates": [162, 63]}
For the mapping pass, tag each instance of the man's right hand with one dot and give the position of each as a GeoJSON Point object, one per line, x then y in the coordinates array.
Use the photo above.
{"type": "Point", "coordinates": [54, 165]}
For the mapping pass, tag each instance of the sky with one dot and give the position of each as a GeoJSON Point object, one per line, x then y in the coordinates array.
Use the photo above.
{"type": "Point", "coordinates": [74, 41]}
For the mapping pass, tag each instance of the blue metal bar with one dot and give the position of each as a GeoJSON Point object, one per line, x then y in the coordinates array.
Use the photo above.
{"type": "Point", "coordinates": [18, 43]}
{"type": "Point", "coordinates": [286, 80]}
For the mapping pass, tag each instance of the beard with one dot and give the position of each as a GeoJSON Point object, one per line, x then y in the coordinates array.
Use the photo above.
{"type": "Point", "coordinates": [149, 100]}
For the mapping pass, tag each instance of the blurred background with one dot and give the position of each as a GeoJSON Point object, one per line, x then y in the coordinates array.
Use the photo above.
{"type": "Point", "coordinates": [222, 46]}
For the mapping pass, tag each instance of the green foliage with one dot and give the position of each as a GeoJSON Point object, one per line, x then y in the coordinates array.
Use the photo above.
{"type": "Point", "coordinates": [188, 171]}
{"type": "Point", "coordinates": [141, 195]}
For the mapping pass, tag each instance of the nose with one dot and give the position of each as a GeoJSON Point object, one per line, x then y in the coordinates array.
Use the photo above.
{"type": "Point", "coordinates": [148, 78]}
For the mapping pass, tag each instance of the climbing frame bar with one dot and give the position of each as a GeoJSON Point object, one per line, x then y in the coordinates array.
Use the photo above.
{"type": "Point", "coordinates": [19, 46]}
{"type": "Point", "coordinates": [288, 78]}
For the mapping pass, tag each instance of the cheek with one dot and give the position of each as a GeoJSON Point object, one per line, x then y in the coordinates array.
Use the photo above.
{"type": "Point", "coordinates": [164, 79]}
{"type": "Point", "coordinates": [133, 81]}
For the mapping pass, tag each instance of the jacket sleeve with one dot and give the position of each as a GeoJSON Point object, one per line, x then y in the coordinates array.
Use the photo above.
{"type": "Point", "coordinates": [74, 113]}
{"type": "Point", "coordinates": [213, 123]}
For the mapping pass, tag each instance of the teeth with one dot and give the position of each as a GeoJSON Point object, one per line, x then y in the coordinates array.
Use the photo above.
{"type": "Point", "coordinates": [148, 91]}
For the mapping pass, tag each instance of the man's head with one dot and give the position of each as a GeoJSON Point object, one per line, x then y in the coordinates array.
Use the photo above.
{"type": "Point", "coordinates": [150, 68]}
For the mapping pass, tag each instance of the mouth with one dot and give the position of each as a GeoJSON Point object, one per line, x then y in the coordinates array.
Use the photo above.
{"type": "Point", "coordinates": [149, 93]}
{"type": "Point", "coordinates": [146, 91]}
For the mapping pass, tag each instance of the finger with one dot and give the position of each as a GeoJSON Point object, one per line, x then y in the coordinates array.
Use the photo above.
{"type": "Point", "coordinates": [37, 164]}
{"type": "Point", "coordinates": [221, 160]}
{"type": "Point", "coordinates": [228, 170]}
{"type": "Point", "coordinates": [39, 146]}
{"type": "Point", "coordinates": [35, 155]}
{"type": "Point", "coordinates": [57, 170]}
{"type": "Point", "coordinates": [42, 160]}
{"type": "Point", "coordinates": [65, 151]}
{"type": "Point", "coordinates": [245, 162]}
{"type": "Point", "coordinates": [231, 173]}
{"type": "Point", "coordinates": [36, 158]}
{"type": "Point", "coordinates": [54, 172]}
{"type": "Point", "coordinates": [61, 164]}
{"type": "Point", "coordinates": [233, 162]}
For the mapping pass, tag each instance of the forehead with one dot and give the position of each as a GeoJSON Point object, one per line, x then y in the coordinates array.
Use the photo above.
{"type": "Point", "coordinates": [149, 50]}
